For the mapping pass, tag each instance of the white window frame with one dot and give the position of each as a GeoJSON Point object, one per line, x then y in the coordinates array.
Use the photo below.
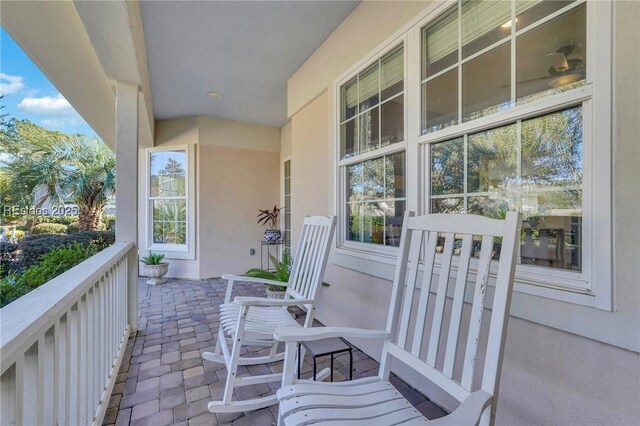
{"type": "Point", "coordinates": [593, 286]}
{"type": "Point", "coordinates": [173, 251]}
{"type": "Point", "coordinates": [341, 167]}
{"type": "Point", "coordinates": [283, 223]}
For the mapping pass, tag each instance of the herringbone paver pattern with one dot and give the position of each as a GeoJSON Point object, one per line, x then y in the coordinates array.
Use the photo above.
{"type": "Point", "coordinates": [164, 381]}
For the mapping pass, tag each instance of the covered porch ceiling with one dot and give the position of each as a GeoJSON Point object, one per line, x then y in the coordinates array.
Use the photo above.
{"type": "Point", "coordinates": [246, 51]}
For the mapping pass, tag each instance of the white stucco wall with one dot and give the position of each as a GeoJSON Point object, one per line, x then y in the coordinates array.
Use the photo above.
{"type": "Point", "coordinates": [236, 173]}
{"type": "Point", "coordinates": [564, 363]}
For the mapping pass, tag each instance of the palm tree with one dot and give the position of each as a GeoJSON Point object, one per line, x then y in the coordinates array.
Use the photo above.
{"type": "Point", "coordinates": [44, 164]}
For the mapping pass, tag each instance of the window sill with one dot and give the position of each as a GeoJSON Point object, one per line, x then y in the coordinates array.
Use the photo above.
{"type": "Point", "coordinates": [177, 252]}
{"type": "Point", "coordinates": [558, 287]}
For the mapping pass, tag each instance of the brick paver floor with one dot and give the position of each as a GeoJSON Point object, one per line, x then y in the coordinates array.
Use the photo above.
{"type": "Point", "coordinates": [163, 379]}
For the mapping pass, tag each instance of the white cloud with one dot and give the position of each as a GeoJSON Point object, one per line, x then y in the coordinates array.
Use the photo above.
{"type": "Point", "coordinates": [55, 111]}
{"type": "Point", "coordinates": [10, 83]}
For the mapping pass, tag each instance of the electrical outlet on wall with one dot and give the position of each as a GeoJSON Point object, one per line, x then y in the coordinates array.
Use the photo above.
{"type": "Point", "coordinates": [252, 251]}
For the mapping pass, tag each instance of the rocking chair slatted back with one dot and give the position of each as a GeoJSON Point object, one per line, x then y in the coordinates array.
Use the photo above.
{"type": "Point", "coordinates": [423, 255]}
{"type": "Point", "coordinates": [311, 257]}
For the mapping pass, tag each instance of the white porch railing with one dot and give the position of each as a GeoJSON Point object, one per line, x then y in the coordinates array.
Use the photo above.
{"type": "Point", "coordinates": [61, 345]}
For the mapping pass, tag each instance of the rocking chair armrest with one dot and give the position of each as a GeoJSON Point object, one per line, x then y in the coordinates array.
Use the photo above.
{"type": "Point", "coordinates": [245, 278]}
{"type": "Point", "coordinates": [295, 334]}
{"type": "Point", "coordinates": [468, 412]}
{"type": "Point", "coordinates": [265, 301]}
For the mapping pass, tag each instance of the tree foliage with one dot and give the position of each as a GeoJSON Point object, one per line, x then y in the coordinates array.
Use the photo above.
{"type": "Point", "coordinates": [41, 164]}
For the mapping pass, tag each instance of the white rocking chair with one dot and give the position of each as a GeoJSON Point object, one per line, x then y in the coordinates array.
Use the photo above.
{"type": "Point", "coordinates": [251, 321]}
{"type": "Point", "coordinates": [374, 400]}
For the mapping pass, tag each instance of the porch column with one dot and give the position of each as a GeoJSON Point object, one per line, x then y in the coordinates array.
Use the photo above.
{"type": "Point", "coordinates": [127, 185]}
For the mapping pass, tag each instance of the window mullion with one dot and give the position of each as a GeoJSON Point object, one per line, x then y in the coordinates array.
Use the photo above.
{"type": "Point", "coordinates": [459, 61]}
{"type": "Point", "coordinates": [513, 52]}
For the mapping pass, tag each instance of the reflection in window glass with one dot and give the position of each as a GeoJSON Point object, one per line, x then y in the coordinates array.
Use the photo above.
{"type": "Point", "coordinates": [447, 167]}
{"type": "Point", "coordinates": [167, 170]}
{"type": "Point", "coordinates": [492, 157]}
{"type": "Point", "coordinates": [376, 200]}
{"type": "Point", "coordinates": [369, 130]}
{"type": "Point", "coordinates": [486, 87]}
{"type": "Point", "coordinates": [440, 102]}
{"type": "Point", "coordinates": [540, 176]}
{"type": "Point", "coordinates": [169, 222]}
{"type": "Point", "coordinates": [552, 57]}
{"type": "Point", "coordinates": [552, 150]}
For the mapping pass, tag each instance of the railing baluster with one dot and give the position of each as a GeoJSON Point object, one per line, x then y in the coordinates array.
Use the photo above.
{"type": "Point", "coordinates": [61, 369]}
{"type": "Point", "coordinates": [60, 346]}
{"type": "Point", "coordinates": [30, 375]}
{"type": "Point", "coordinates": [8, 387]}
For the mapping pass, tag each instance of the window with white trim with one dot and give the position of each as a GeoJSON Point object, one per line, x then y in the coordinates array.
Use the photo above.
{"type": "Point", "coordinates": [511, 113]}
{"type": "Point", "coordinates": [372, 163]}
{"type": "Point", "coordinates": [287, 205]}
{"type": "Point", "coordinates": [168, 200]}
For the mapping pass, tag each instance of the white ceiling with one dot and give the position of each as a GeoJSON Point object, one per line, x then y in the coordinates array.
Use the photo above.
{"type": "Point", "coordinates": [245, 50]}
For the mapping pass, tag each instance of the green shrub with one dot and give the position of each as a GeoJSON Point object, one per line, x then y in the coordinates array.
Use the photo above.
{"type": "Point", "coordinates": [48, 228]}
{"type": "Point", "coordinates": [34, 247]}
{"type": "Point", "coordinates": [51, 265]}
{"type": "Point", "coordinates": [73, 227]}
{"type": "Point", "coordinates": [109, 221]}
{"type": "Point", "coordinates": [18, 234]}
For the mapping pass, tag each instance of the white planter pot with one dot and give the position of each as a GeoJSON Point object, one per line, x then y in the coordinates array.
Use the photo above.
{"type": "Point", "coordinates": [271, 294]}
{"type": "Point", "coordinates": [156, 272]}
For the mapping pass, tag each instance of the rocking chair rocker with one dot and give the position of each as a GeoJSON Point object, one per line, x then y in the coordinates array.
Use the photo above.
{"type": "Point", "coordinates": [251, 321]}
{"type": "Point", "coordinates": [425, 350]}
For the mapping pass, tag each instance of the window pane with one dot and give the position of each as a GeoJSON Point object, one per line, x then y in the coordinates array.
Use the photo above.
{"type": "Point", "coordinates": [440, 43]}
{"type": "Point", "coordinates": [447, 167]}
{"type": "Point", "coordinates": [392, 73]}
{"type": "Point", "coordinates": [552, 57]}
{"type": "Point", "coordinates": [484, 22]}
{"type": "Point", "coordinates": [287, 168]}
{"type": "Point", "coordinates": [369, 86]}
{"type": "Point", "coordinates": [169, 221]}
{"type": "Point", "coordinates": [394, 215]}
{"type": "Point", "coordinates": [492, 159]}
{"type": "Point", "coordinates": [552, 229]}
{"type": "Point", "coordinates": [395, 170]}
{"type": "Point", "coordinates": [369, 131]}
{"type": "Point", "coordinates": [373, 179]}
{"type": "Point", "coordinates": [447, 205]}
{"type": "Point", "coordinates": [552, 150]}
{"type": "Point", "coordinates": [349, 95]}
{"type": "Point", "coordinates": [530, 11]}
{"type": "Point", "coordinates": [486, 85]}
{"type": "Point", "coordinates": [392, 130]}
{"type": "Point", "coordinates": [349, 138]}
{"type": "Point", "coordinates": [167, 169]}
{"type": "Point", "coordinates": [366, 223]}
{"type": "Point", "coordinates": [440, 102]}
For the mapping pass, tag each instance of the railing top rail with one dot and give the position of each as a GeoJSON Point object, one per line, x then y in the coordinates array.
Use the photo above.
{"type": "Point", "coordinates": [27, 316]}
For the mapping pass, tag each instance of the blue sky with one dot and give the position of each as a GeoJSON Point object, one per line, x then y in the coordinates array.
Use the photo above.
{"type": "Point", "coordinates": [30, 95]}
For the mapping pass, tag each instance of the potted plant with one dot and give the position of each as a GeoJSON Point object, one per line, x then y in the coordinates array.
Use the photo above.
{"type": "Point", "coordinates": [155, 268]}
{"type": "Point", "coordinates": [270, 218]}
{"type": "Point", "coordinates": [281, 273]}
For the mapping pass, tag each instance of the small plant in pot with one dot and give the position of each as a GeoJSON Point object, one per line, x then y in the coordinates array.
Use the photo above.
{"type": "Point", "coordinates": [281, 273]}
{"type": "Point", "coordinates": [155, 268]}
{"type": "Point", "coordinates": [270, 218]}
